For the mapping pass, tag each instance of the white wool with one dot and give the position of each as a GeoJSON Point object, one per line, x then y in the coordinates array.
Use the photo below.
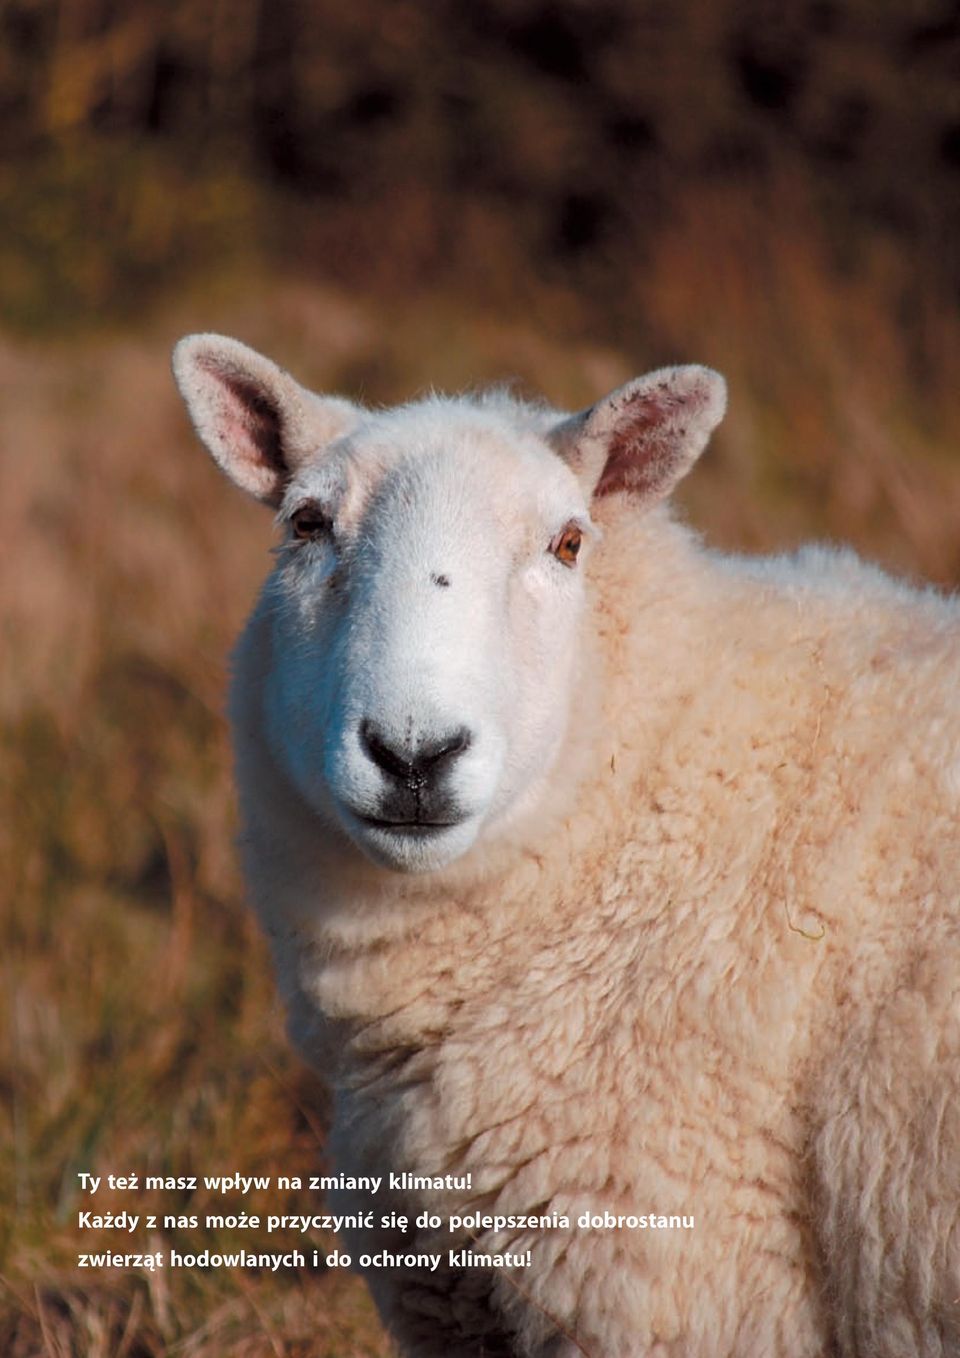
{"type": "Point", "coordinates": [683, 938]}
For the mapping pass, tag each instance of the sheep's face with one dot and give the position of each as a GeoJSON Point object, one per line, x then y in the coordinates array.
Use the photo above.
{"type": "Point", "coordinates": [425, 607]}
{"type": "Point", "coordinates": [425, 610]}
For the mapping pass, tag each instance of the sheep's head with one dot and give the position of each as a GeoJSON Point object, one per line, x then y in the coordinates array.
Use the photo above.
{"type": "Point", "coordinates": [425, 608]}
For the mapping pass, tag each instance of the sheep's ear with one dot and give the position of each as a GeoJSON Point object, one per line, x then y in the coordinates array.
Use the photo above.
{"type": "Point", "coordinates": [644, 437]}
{"type": "Point", "coordinates": [255, 420]}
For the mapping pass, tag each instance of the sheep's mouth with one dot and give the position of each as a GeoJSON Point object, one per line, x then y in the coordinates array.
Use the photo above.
{"type": "Point", "coordinates": [411, 843]}
{"type": "Point", "coordinates": [407, 827]}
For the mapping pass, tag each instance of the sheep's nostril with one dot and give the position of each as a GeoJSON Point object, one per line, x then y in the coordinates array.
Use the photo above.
{"type": "Point", "coordinates": [385, 756]}
{"type": "Point", "coordinates": [445, 748]}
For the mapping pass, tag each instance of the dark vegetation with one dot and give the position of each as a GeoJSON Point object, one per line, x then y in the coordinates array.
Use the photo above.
{"type": "Point", "coordinates": [456, 146]}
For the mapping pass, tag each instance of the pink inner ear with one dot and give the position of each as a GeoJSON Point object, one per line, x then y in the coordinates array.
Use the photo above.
{"type": "Point", "coordinates": [646, 449]}
{"type": "Point", "coordinates": [248, 423]}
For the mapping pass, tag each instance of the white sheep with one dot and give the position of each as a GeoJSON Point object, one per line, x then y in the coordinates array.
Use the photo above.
{"type": "Point", "coordinates": [616, 874]}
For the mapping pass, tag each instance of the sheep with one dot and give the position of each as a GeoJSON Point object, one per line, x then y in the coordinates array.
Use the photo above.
{"type": "Point", "coordinates": [611, 880]}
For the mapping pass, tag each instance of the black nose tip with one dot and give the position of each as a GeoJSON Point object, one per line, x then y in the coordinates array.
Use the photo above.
{"type": "Point", "coordinates": [413, 765]}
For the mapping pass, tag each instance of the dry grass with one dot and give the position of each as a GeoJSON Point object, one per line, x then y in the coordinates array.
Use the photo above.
{"type": "Point", "coordinates": [142, 1032]}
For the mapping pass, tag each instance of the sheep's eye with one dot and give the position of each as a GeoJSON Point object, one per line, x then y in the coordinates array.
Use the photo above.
{"type": "Point", "coordinates": [566, 544]}
{"type": "Point", "coordinates": [309, 523]}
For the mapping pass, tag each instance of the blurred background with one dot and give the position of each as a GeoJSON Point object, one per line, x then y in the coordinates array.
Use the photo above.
{"type": "Point", "coordinates": [384, 197]}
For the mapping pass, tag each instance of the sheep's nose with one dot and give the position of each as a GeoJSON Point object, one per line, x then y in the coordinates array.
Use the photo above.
{"type": "Point", "coordinates": [413, 765]}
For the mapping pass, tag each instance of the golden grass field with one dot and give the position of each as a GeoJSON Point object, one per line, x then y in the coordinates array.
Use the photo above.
{"type": "Point", "coordinates": [141, 1029]}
